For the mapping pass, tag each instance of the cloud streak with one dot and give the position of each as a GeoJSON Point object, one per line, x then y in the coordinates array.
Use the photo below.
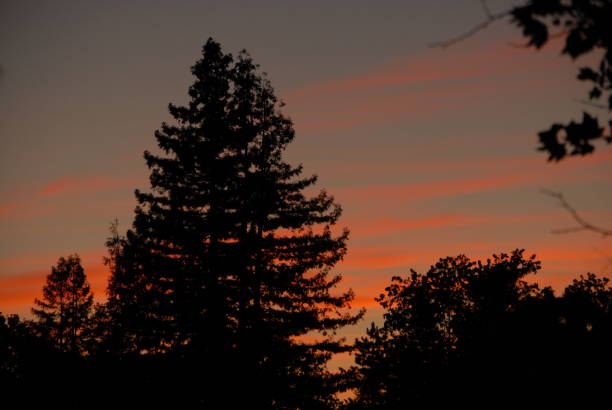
{"type": "Point", "coordinates": [52, 196]}
{"type": "Point", "coordinates": [418, 87]}
{"type": "Point", "coordinates": [74, 185]}
{"type": "Point", "coordinates": [432, 66]}
{"type": "Point", "coordinates": [522, 174]}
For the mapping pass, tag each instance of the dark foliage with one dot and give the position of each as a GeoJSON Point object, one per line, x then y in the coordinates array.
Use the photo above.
{"type": "Point", "coordinates": [586, 27]}
{"type": "Point", "coordinates": [474, 333]}
{"type": "Point", "coordinates": [35, 373]}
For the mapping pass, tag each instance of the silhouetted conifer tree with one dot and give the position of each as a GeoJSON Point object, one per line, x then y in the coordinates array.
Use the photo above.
{"type": "Point", "coordinates": [64, 309]}
{"type": "Point", "coordinates": [228, 261]}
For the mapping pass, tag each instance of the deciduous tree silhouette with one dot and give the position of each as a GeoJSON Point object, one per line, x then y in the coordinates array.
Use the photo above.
{"type": "Point", "coordinates": [63, 312]}
{"type": "Point", "coordinates": [471, 332]}
{"type": "Point", "coordinates": [585, 26]}
{"type": "Point", "coordinates": [432, 323]}
{"type": "Point", "coordinates": [228, 261]}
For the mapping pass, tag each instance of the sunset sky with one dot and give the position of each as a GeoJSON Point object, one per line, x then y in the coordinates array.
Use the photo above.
{"type": "Point", "coordinates": [430, 152]}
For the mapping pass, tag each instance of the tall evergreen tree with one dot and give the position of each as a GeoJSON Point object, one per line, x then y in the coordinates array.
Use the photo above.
{"type": "Point", "coordinates": [228, 261]}
{"type": "Point", "coordinates": [64, 309]}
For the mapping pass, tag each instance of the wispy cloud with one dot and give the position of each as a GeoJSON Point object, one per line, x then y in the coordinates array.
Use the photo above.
{"type": "Point", "coordinates": [431, 66]}
{"type": "Point", "coordinates": [52, 196]}
{"type": "Point", "coordinates": [432, 83]}
{"type": "Point", "coordinates": [71, 185]}
{"type": "Point", "coordinates": [523, 172]}
{"type": "Point", "coordinates": [382, 226]}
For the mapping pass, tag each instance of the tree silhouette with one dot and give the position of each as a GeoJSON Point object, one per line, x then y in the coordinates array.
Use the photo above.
{"type": "Point", "coordinates": [585, 25]}
{"type": "Point", "coordinates": [109, 336]}
{"type": "Point", "coordinates": [64, 309]}
{"type": "Point", "coordinates": [470, 333]}
{"type": "Point", "coordinates": [228, 261]}
{"type": "Point", "coordinates": [587, 310]}
{"type": "Point", "coordinates": [26, 360]}
{"type": "Point", "coordinates": [433, 324]}
{"type": "Point", "coordinates": [16, 339]}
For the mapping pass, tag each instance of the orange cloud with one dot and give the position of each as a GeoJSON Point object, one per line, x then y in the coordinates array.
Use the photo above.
{"type": "Point", "coordinates": [434, 66]}
{"type": "Point", "coordinates": [431, 83]}
{"type": "Point", "coordinates": [44, 260]}
{"type": "Point", "coordinates": [43, 201]}
{"type": "Point", "coordinates": [422, 162]}
{"type": "Point", "coordinates": [426, 190]}
{"type": "Point", "coordinates": [384, 226]}
{"type": "Point", "coordinates": [345, 111]}
{"type": "Point", "coordinates": [381, 257]}
{"type": "Point", "coordinates": [76, 185]}
{"type": "Point", "coordinates": [21, 209]}
{"type": "Point", "coordinates": [366, 300]}
{"type": "Point", "coordinates": [353, 114]}
{"type": "Point", "coordinates": [23, 280]}
{"type": "Point", "coordinates": [521, 175]}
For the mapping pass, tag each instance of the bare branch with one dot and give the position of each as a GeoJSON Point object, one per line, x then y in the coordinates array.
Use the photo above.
{"type": "Point", "coordinates": [583, 225]}
{"type": "Point", "coordinates": [592, 104]}
{"type": "Point", "coordinates": [491, 17]}
{"type": "Point", "coordinates": [485, 7]}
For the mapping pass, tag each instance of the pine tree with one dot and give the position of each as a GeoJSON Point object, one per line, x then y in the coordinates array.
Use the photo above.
{"type": "Point", "coordinates": [65, 307]}
{"type": "Point", "coordinates": [228, 260]}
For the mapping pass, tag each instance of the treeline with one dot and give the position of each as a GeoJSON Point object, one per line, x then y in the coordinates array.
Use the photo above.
{"type": "Point", "coordinates": [221, 294]}
{"type": "Point", "coordinates": [464, 332]}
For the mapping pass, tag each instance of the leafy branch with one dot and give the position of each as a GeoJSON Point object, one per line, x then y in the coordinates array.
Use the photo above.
{"type": "Point", "coordinates": [585, 25]}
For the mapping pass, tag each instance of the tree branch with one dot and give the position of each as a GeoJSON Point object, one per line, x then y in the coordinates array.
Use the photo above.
{"type": "Point", "coordinates": [582, 224]}
{"type": "Point", "coordinates": [491, 17]}
{"type": "Point", "coordinates": [592, 104]}
{"type": "Point", "coordinates": [485, 8]}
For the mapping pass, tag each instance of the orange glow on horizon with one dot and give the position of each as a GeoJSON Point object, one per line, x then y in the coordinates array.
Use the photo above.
{"type": "Point", "coordinates": [20, 289]}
